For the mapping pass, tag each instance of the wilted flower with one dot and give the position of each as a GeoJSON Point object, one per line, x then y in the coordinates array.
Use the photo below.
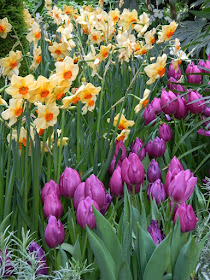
{"type": "Point", "coordinates": [157, 191]}
{"type": "Point", "coordinates": [39, 255]}
{"type": "Point", "coordinates": [153, 171]}
{"type": "Point", "coordinates": [69, 180]}
{"type": "Point", "coordinates": [155, 232]}
{"type": "Point", "coordinates": [54, 232]}
{"type": "Point", "coordinates": [156, 148]}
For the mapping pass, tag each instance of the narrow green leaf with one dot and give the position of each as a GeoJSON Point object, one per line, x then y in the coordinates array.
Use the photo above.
{"type": "Point", "coordinates": [125, 273]}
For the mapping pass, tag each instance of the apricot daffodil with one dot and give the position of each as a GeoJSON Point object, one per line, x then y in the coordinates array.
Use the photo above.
{"type": "Point", "coordinates": [11, 63]}
{"type": "Point", "coordinates": [143, 102]}
{"type": "Point", "coordinates": [14, 111]}
{"type": "Point", "coordinates": [156, 70]}
{"type": "Point", "coordinates": [5, 27]}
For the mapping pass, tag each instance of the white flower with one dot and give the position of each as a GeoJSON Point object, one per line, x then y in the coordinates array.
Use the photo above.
{"type": "Point", "coordinates": [168, 19]}
{"type": "Point", "coordinates": [158, 13]}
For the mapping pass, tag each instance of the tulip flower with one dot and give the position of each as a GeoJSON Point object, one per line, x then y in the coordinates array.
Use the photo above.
{"type": "Point", "coordinates": [52, 206]}
{"type": "Point", "coordinates": [155, 103]}
{"type": "Point", "coordinates": [116, 183]}
{"type": "Point", "coordinates": [195, 107]}
{"type": "Point", "coordinates": [39, 255]}
{"type": "Point", "coordinates": [155, 232]}
{"type": "Point", "coordinates": [191, 69]}
{"type": "Point", "coordinates": [6, 262]}
{"type": "Point", "coordinates": [157, 191]}
{"type": "Point", "coordinates": [68, 182]}
{"type": "Point", "coordinates": [203, 64]}
{"type": "Point", "coordinates": [85, 215]}
{"type": "Point", "coordinates": [94, 188]}
{"type": "Point", "coordinates": [106, 206]}
{"type": "Point", "coordinates": [168, 102]}
{"type": "Point", "coordinates": [153, 171]}
{"type": "Point", "coordinates": [182, 186]}
{"type": "Point", "coordinates": [79, 194]}
{"type": "Point", "coordinates": [175, 86]}
{"type": "Point", "coordinates": [182, 110]}
{"type": "Point", "coordinates": [156, 148]}
{"type": "Point", "coordinates": [174, 73]}
{"type": "Point", "coordinates": [203, 132]}
{"type": "Point", "coordinates": [132, 172]}
{"type": "Point", "coordinates": [187, 217]}
{"type": "Point", "coordinates": [149, 114]}
{"type": "Point", "coordinates": [54, 232]}
{"type": "Point", "coordinates": [50, 188]}
{"type": "Point", "coordinates": [207, 112]}
{"type": "Point", "coordinates": [118, 146]}
{"type": "Point", "coordinates": [165, 132]}
{"type": "Point", "coordinates": [136, 147]}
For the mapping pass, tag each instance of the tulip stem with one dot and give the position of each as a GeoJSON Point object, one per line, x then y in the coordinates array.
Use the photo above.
{"type": "Point", "coordinates": [134, 196]}
{"type": "Point", "coordinates": [84, 246]}
{"type": "Point", "coordinates": [170, 217]}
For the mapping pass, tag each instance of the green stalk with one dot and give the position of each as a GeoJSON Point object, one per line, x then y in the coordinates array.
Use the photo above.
{"type": "Point", "coordinates": [61, 146]}
{"type": "Point", "coordinates": [78, 132]}
{"type": "Point", "coordinates": [84, 246]}
{"type": "Point", "coordinates": [49, 155]}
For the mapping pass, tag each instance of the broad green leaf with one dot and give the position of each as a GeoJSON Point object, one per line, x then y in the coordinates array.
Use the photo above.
{"type": "Point", "coordinates": [175, 243]}
{"type": "Point", "coordinates": [4, 223]}
{"type": "Point", "coordinates": [159, 261]}
{"type": "Point", "coordinates": [68, 248]}
{"type": "Point", "coordinates": [125, 273]}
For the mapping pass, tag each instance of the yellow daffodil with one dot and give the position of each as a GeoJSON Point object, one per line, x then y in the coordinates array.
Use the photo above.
{"type": "Point", "coordinates": [42, 90]}
{"type": "Point", "coordinates": [176, 46]}
{"type": "Point", "coordinates": [58, 94]}
{"type": "Point", "coordinates": [156, 70]}
{"type": "Point", "coordinates": [5, 27]}
{"type": "Point", "coordinates": [70, 99]}
{"type": "Point", "coordinates": [22, 137]}
{"type": "Point", "coordinates": [47, 115]}
{"type": "Point", "coordinates": [95, 37]}
{"type": "Point", "coordinates": [11, 63]}
{"type": "Point", "coordinates": [92, 60]}
{"type": "Point", "coordinates": [28, 18]}
{"type": "Point", "coordinates": [35, 34]}
{"type": "Point", "coordinates": [2, 101]}
{"type": "Point", "coordinates": [21, 86]}
{"type": "Point", "coordinates": [37, 58]}
{"type": "Point", "coordinates": [149, 37]}
{"type": "Point", "coordinates": [56, 14]}
{"type": "Point", "coordinates": [14, 111]}
{"type": "Point", "coordinates": [167, 32]}
{"type": "Point", "coordinates": [59, 50]}
{"type": "Point", "coordinates": [127, 19]}
{"type": "Point", "coordinates": [142, 49]}
{"type": "Point", "coordinates": [123, 135]}
{"type": "Point", "coordinates": [114, 14]}
{"type": "Point", "coordinates": [68, 10]}
{"type": "Point", "coordinates": [127, 45]}
{"type": "Point", "coordinates": [104, 52]}
{"type": "Point", "coordinates": [143, 102]}
{"type": "Point", "coordinates": [123, 124]}
{"type": "Point", "coordinates": [141, 28]}
{"type": "Point", "coordinates": [48, 4]}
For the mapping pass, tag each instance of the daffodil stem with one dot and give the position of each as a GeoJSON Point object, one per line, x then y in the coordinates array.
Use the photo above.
{"type": "Point", "coordinates": [49, 156]}
{"type": "Point", "coordinates": [78, 132]}
{"type": "Point", "coordinates": [61, 144]}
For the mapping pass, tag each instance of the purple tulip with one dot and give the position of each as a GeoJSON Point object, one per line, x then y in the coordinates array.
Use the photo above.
{"type": "Point", "coordinates": [49, 188]}
{"type": "Point", "coordinates": [153, 171]}
{"type": "Point", "coordinates": [54, 232]}
{"type": "Point", "coordinates": [106, 206]}
{"type": "Point", "coordinates": [155, 232]}
{"type": "Point", "coordinates": [174, 168]}
{"type": "Point", "coordinates": [156, 148]}
{"type": "Point", "coordinates": [118, 146]}
{"type": "Point", "coordinates": [68, 182]}
{"type": "Point", "coordinates": [116, 183]}
{"type": "Point", "coordinates": [187, 217]}
{"type": "Point", "coordinates": [138, 149]}
{"type": "Point", "coordinates": [181, 111]}
{"type": "Point", "coordinates": [202, 64]}
{"type": "Point", "coordinates": [112, 165]}
{"type": "Point", "coordinates": [182, 186]}
{"type": "Point", "coordinates": [196, 107]}
{"type": "Point", "coordinates": [39, 255]}
{"type": "Point", "coordinates": [207, 112]}
{"type": "Point", "coordinates": [203, 132]}
{"type": "Point", "coordinates": [85, 215]}
{"type": "Point", "coordinates": [79, 194]}
{"type": "Point", "coordinates": [155, 103]}
{"type": "Point", "coordinates": [157, 191]}
{"type": "Point", "coordinates": [132, 172]}
{"type": "Point", "coordinates": [172, 72]}
{"type": "Point", "coordinates": [168, 102]}
{"type": "Point", "coordinates": [94, 188]}
{"type": "Point", "coordinates": [7, 263]}
{"type": "Point", "coordinates": [165, 132]}
{"type": "Point", "coordinates": [149, 114]}
{"type": "Point", "coordinates": [177, 87]}
{"type": "Point", "coordinates": [52, 206]}
{"type": "Point", "coordinates": [191, 69]}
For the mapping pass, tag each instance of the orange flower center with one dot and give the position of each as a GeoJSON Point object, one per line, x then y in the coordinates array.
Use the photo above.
{"type": "Point", "coordinates": [180, 61]}
{"type": "Point", "coordinates": [23, 90]}
{"type": "Point", "coordinates": [44, 93]}
{"type": "Point", "coordinates": [41, 131]}
{"type": "Point", "coordinates": [58, 52]}
{"type": "Point", "coordinates": [121, 126]}
{"type": "Point", "coordinates": [37, 35]}
{"type": "Point", "coordinates": [178, 47]}
{"type": "Point", "coordinates": [67, 75]}
{"type": "Point", "coordinates": [170, 33]}
{"type": "Point", "coordinates": [88, 96]}
{"type": "Point", "coordinates": [75, 16]}
{"type": "Point", "coordinates": [13, 64]}
{"type": "Point", "coordinates": [2, 28]}
{"type": "Point", "coordinates": [105, 54]}
{"type": "Point", "coordinates": [76, 99]}
{"type": "Point", "coordinates": [152, 40]}
{"type": "Point", "coordinates": [161, 71]}
{"type": "Point", "coordinates": [121, 138]}
{"type": "Point", "coordinates": [95, 38]}
{"type": "Point", "coordinates": [143, 51]}
{"type": "Point", "coordinates": [49, 117]}
{"type": "Point", "coordinates": [38, 59]}
{"type": "Point", "coordinates": [115, 18]}
{"type": "Point", "coordinates": [91, 103]}
{"type": "Point", "coordinates": [85, 30]}
{"type": "Point", "coordinates": [59, 96]}
{"type": "Point", "coordinates": [145, 103]}
{"type": "Point", "coordinates": [18, 111]}
{"type": "Point", "coordinates": [56, 15]}
{"type": "Point", "coordinates": [24, 141]}
{"type": "Point", "coordinates": [133, 20]}
{"type": "Point", "coordinates": [20, 145]}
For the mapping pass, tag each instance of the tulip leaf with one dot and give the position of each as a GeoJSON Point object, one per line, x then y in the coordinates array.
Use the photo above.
{"type": "Point", "coordinates": [107, 234]}
{"type": "Point", "coordinates": [168, 277]}
{"type": "Point", "coordinates": [188, 258]}
{"type": "Point", "coordinates": [68, 248]}
{"type": "Point", "coordinates": [64, 257]}
{"type": "Point", "coordinates": [159, 260]}
{"type": "Point", "coordinates": [125, 273]}
{"type": "Point", "coordinates": [104, 259]}
{"type": "Point", "coordinates": [4, 223]}
{"type": "Point", "coordinates": [175, 243]}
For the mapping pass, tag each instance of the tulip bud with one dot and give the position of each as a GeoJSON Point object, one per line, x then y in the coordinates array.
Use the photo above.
{"type": "Point", "coordinates": [155, 232]}
{"type": "Point", "coordinates": [156, 148]}
{"type": "Point", "coordinates": [79, 194]}
{"type": "Point", "coordinates": [116, 183]}
{"type": "Point", "coordinates": [157, 191]}
{"type": "Point", "coordinates": [168, 102]}
{"type": "Point", "coordinates": [49, 188]}
{"type": "Point", "coordinates": [182, 110]}
{"type": "Point", "coordinates": [182, 186]}
{"type": "Point", "coordinates": [165, 132]}
{"type": "Point", "coordinates": [149, 114]}
{"type": "Point", "coordinates": [85, 215]}
{"type": "Point", "coordinates": [68, 182]}
{"type": "Point", "coordinates": [136, 147]}
{"type": "Point", "coordinates": [153, 171]}
{"type": "Point", "coordinates": [173, 73]}
{"type": "Point", "coordinates": [54, 232]}
{"type": "Point", "coordinates": [207, 112]}
{"type": "Point", "coordinates": [39, 255]}
{"type": "Point", "coordinates": [106, 206]}
{"type": "Point", "coordinates": [155, 103]}
{"type": "Point", "coordinates": [187, 217]}
{"type": "Point", "coordinates": [132, 172]}
{"type": "Point", "coordinates": [52, 206]}
{"type": "Point", "coordinates": [194, 79]}
{"type": "Point", "coordinates": [196, 107]}
{"type": "Point", "coordinates": [177, 87]}
{"type": "Point", "coordinates": [120, 146]}
{"type": "Point", "coordinates": [94, 188]}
